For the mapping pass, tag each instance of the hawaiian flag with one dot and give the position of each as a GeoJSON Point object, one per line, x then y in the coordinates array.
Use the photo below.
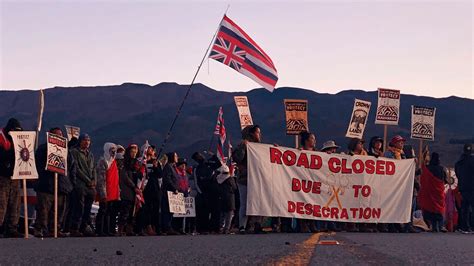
{"type": "Point", "coordinates": [220, 131]}
{"type": "Point", "coordinates": [236, 49]}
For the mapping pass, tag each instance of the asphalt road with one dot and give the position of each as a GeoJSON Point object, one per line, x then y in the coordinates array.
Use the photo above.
{"type": "Point", "coordinates": [354, 248]}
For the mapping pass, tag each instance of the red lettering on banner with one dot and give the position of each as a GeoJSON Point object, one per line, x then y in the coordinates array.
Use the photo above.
{"type": "Point", "coordinates": [326, 212]}
{"type": "Point", "coordinates": [308, 209]}
{"type": "Point", "coordinates": [358, 166]}
{"type": "Point", "coordinates": [316, 162]}
{"type": "Point", "coordinates": [303, 161]}
{"type": "Point", "coordinates": [356, 190]}
{"type": "Point", "coordinates": [295, 184]}
{"type": "Point", "coordinates": [291, 206]}
{"type": "Point", "coordinates": [379, 169]}
{"type": "Point", "coordinates": [289, 158]}
{"type": "Point", "coordinates": [317, 210]}
{"type": "Point", "coordinates": [354, 212]}
{"type": "Point", "coordinates": [370, 167]}
{"type": "Point", "coordinates": [334, 213]}
{"type": "Point", "coordinates": [376, 213]}
{"type": "Point", "coordinates": [275, 155]}
{"type": "Point", "coordinates": [299, 207]}
{"type": "Point", "coordinates": [345, 170]}
{"type": "Point", "coordinates": [390, 166]}
{"type": "Point", "coordinates": [334, 165]}
{"type": "Point", "coordinates": [344, 214]}
{"type": "Point", "coordinates": [367, 213]}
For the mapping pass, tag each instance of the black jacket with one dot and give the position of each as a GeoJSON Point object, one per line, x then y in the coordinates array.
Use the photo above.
{"type": "Point", "coordinates": [465, 172]}
{"type": "Point", "coordinates": [152, 189]}
{"type": "Point", "coordinates": [7, 154]}
{"type": "Point", "coordinates": [170, 182]}
{"type": "Point", "coordinates": [45, 181]}
{"type": "Point", "coordinates": [203, 174]}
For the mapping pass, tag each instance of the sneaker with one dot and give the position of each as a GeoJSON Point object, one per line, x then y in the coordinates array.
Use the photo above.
{"type": "Point", "coordinates": [242, 231]}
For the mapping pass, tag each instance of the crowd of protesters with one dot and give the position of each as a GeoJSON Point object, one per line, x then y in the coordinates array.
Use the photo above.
{"type": "Point", "coordinates": [131, 185]}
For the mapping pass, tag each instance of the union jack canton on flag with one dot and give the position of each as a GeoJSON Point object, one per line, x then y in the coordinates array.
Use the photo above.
{"type": "Point", "coordinates": [236, 49]}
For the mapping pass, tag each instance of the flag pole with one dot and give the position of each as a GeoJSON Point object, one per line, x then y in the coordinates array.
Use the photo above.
{"type": "Point", "coordinates": [190, 86]}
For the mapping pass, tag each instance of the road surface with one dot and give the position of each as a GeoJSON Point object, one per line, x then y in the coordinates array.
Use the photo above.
{"type": "Point", "coordinates": [268, 249]}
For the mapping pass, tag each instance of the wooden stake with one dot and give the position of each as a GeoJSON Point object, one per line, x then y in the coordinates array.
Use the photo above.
{"type": "Point", "coordinates": [384, 138]}
{"type": "Point", "coordinates": [25, 205]}
{"type": "Point", "coordinates": [296, 141]}
{"type": "Point", "coordinates": [55, 205]}
{"type": "Point", "coordinates": [421, 153]}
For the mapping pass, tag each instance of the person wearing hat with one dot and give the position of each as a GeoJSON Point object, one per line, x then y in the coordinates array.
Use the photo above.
{"type": "Point", "coordinates": [395, 148]}
{"type": "Point", "coordinates": [376, 147]}
{"type": "Point", "coordinates": [9, 189]}
{"type": "Point", "coordinates": [330, 147]}
{"type": "Point", "coordinates": [83, 194]}
{"type": "Point", "coordinates": [464, 169]}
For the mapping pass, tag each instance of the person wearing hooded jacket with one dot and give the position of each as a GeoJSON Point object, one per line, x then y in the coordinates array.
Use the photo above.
{"type": "Point", "coordinates": [9, 189]}
{"type": "Point", "coordinates": [108, 190]}
{"type": "Point", "coordinates": [170, 183]}
{"type": "Point", "coordinates": [45, 192]}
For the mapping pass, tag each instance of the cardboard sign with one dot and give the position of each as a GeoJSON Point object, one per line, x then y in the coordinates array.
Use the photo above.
{"type": "Point", "coordinates": [422, 122]}
{"type": "Point", "coordinates": [296, 112]}
{"type": "Point", "coordinates": [72, 132]}
{"type": "Point", "coordinates": [388, 107]}
{"type": "Point", "coordinates": [287, 182]}
{"type": "Point", "coordinates": [243, 108]}
{"type": "Point", "coordinates": [24, 145]}
{"type": "Point", "coordinates": [176, 203]}
{"type": "Point", "coordinates": [57, 154]}
{"type": "Point", "coordinates": [359, 116]}
{"type": "Point", "coordinates": [190, 208]}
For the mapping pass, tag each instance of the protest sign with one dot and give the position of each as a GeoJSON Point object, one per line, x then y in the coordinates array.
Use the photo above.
{"type": "Point", "coordinates": [359, 116]}
{"type": "Point", "coordinates": [243, 108]}
{"type": "Point", "coordinates": [296, 112]}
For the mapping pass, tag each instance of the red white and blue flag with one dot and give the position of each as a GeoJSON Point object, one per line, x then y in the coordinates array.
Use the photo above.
{"type": "Point", "coordinates": [221, 133]}
{"type": "Point", "coordinates": [236, 49]}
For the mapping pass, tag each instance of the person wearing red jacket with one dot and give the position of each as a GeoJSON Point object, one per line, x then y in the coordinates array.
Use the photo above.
{"type": "Point", "coordinates": [108, 190]}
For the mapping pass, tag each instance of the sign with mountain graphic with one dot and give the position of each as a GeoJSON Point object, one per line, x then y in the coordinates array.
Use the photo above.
{"type": "Point", "coordinates": [296, 112]}
{"type": "Point", "coordinates": [422, 122]}
{"type": "Point", "coordinates": [388, 107]}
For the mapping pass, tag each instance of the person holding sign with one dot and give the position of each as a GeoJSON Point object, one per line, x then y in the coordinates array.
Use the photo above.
{"type": "Point", "coordinates": [45, 192]}
{"type": "Point", "coordinates": [9, 189]}
{"type": "Point", "coordinates": [170, 183]}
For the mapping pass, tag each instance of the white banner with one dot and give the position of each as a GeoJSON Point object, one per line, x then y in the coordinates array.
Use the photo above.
{"type": "Point", "coordinates": [388, 107]}
{"type": "Point", "coordinates": [359, 116]}
{"type": "Point", "coordinates": [286, 182]}
{"type": "Point", "coordinates": [243, 108]}
{"type": "Point", "coordinates": [24, 145]}
{"type": "Point", "coordinates": [422, 122]}
{"type": "Point", "coordinates": [176, 202]}
{"type": "Point", "coordinates": [190, 208]}
{"type": "Point", "coordinates": [72, 132]}
{"type": "Point", "coordinates": [57, 154]}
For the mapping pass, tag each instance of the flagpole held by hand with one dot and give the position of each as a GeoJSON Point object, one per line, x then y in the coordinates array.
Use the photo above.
{"type": "Point", "coordinates": [190, 86]}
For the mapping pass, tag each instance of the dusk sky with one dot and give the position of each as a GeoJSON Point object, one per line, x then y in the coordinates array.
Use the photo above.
{"type": "Point", "coordinates": [418, 47]}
